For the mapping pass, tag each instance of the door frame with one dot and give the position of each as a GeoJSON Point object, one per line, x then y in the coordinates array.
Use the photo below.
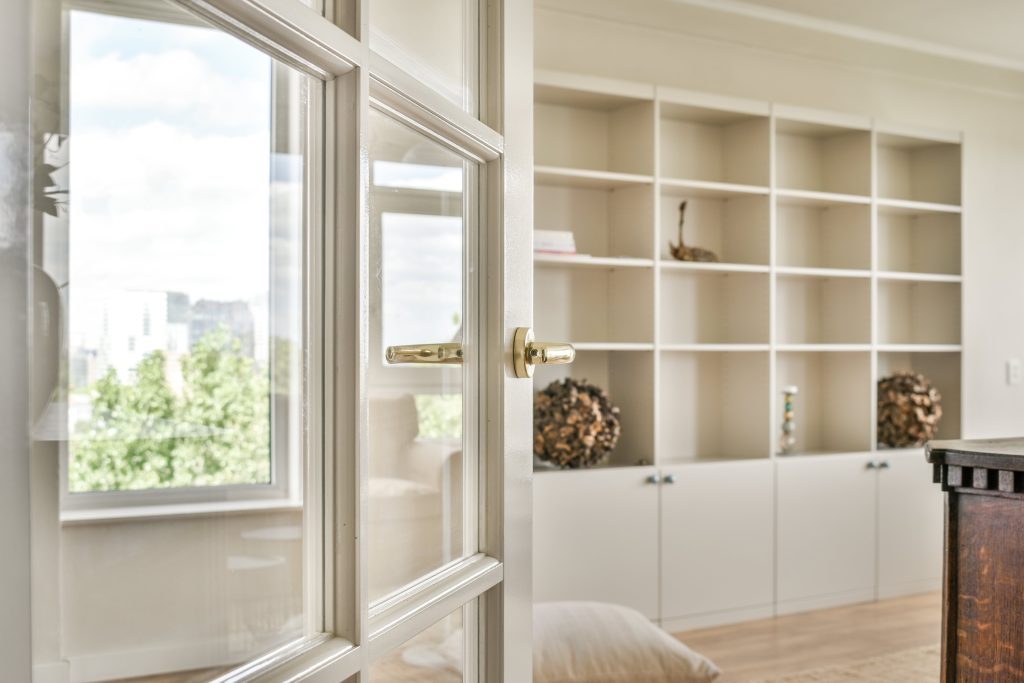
{"type": "Point", "coordinates": [352, 634]}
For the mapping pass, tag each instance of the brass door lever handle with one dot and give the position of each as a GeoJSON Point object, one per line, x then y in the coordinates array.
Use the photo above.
{"type": "Point", "coordinates": [527, 353]}
{"type": "Point", "coordinates": [444, 354]}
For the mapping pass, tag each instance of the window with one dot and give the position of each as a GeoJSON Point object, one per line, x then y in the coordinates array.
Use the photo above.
{"type": "Point", "coordinates": [184, 274]}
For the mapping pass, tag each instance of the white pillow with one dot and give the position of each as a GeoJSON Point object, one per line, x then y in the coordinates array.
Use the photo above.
{"type": "Point", "coordinates": [592, 642]}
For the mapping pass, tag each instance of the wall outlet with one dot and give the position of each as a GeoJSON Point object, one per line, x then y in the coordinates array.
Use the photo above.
{"type": "Point", "coordinates": [1013, 371]}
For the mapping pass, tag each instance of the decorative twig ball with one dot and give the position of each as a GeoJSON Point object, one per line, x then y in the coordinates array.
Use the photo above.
{"type": "Point", "coordinates": [909, 410]}
{"type": "Point", "coordinates": [574, 424]}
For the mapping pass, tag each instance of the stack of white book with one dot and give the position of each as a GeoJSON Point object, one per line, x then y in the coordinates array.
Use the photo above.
{"type": "Point", "coordinates": [554, 242]}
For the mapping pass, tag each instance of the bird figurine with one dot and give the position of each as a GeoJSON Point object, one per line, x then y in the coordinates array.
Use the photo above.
{"type": "Point", "coordinates": [684, 253]}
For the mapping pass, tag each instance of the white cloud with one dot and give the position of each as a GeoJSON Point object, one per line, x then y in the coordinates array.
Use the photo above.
{"type": "Point", "coordinates": [155, 207]}
{"type": "Point", "coordinates": [172, 82]}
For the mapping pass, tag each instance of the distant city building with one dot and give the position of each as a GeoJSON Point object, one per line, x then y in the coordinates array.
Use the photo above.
{"type": "Point", "coordinates": [208, 315]}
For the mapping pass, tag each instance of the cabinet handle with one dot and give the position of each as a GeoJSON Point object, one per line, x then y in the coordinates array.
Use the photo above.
{"type": "Point", "coordinates": [653, 479]}
{"type": "Point", "coordinates": [884, 465]}
{"type": "Point", "coordinates": [872, 465]}
{"type": "Point", "coordinates": [670, 479]}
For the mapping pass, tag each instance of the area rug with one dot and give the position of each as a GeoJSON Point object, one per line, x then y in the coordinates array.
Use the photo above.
{"type": "Point", "coordinates": [920, 665]}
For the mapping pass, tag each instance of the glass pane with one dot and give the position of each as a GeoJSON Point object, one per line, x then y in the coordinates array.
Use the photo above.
{"type": "Point", "coordinates": [437, 655]}
{"type": "Point", "coordinates": [420, 436]}
{"type": "Point", "coordinates": [173, 246]}
{"type": "Point", "coordinates": [437, 41]}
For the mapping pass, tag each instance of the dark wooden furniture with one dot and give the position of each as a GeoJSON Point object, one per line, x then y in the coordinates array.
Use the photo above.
{"type": "Point", "coordinates": [983, 584]}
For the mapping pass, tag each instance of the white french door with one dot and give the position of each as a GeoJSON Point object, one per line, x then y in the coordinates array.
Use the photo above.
{"type": "Point", "coordinates": [281, 251]}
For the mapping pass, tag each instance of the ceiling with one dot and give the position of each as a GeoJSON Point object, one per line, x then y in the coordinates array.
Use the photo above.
{"type": "Point", "coordinates": [977, 44]}
{"type": "Point", "coordinates": [987, 31]}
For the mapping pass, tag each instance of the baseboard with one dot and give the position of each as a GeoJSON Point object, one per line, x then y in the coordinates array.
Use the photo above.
{"type": "Point", "coordinates": [897, 590]}
{"type": "Point", "coordinates": [708, 619]}
{"type": "Point", "coordinates": [106, 666]}
{"type": "Point", "coordinates": [825, 601]}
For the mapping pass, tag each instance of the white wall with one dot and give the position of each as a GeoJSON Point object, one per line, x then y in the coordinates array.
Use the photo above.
{"type": "Point", "coordinates": [993, 161]}
{"type": "Point", "coordinates": [142, 596]}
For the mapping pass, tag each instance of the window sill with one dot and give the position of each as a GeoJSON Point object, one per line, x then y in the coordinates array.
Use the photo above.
{"type": "Point", "coordinates": [177, 510]}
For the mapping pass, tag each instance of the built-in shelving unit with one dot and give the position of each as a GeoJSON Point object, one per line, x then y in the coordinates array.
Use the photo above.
{"type": "Point", "coordinates": [840, 261]}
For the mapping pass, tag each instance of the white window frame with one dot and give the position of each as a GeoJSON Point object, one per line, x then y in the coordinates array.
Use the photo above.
{"type": "Point", "coordinates": [285, 489]}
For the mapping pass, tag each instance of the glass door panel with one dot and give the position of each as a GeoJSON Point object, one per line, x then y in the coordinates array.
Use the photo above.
{"type": "Point", "coordinates": [172, 255]}
{"type": "Point", "coordinates": [436, 655]}
{"type": "Point", "coordinates": [437, 41]}
{"type": "Point", "coordinates": [421, 433]}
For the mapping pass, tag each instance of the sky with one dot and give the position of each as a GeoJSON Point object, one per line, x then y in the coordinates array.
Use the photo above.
{"type": "Point", "coordinates": [170, 180]}
{"type": "Point", "coordinates": [169, 159]}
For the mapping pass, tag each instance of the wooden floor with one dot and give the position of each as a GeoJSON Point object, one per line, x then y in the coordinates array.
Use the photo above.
{"type": "Point", "coordinates": [761, 649]}
{"type": "Point", "coordinates": [772, 647]}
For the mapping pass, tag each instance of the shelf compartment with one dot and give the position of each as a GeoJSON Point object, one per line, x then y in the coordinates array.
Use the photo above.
{"type": "Point", "coordinates": [594, 305]}
{"type": "Point", "coordinates": [605, 223]}
{"type": "Point", "coordinates": [922, 242]}
{"type": "Point", "coordinates": [822, 158]}
{"type": "Point", "coordinates": [699, 143]}
{"type": "Point", "coordinates": [593, 131]}
{"type": "Point", "coordinates": [831, 236]}
{"type": "Point", "coordinates": [918, 312]}
{"type": "Point", "coordinates": [918, 170]}
{"type": "Point", "coordinates": [823, 310]}
{"type": "Point", "coordinates": [701, 307]}
{"type": "Point", "coordinates": [944, 371]}
{"type": "Point", "coordinates": [735, 227]}
{"type": "Point", "coordinates": [713, 406]}
{"type": "Point", "coordinates": [833, 406]}
{"type": "Point", "coordinates": [628, 377]}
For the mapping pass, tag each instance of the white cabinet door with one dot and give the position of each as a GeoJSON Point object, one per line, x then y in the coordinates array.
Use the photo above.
{"type": "Point", "coordinates": [826, 531]}
{"type": "Point", "coordinates": [596, 537]}
{"type": "Point", "coordinates": [717, 543]}
{"type": "Point", "coordinates": [910, 523]}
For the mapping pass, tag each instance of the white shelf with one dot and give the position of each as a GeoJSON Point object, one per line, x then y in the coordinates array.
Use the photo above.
{"type": "Point", "coordinates": [718, 267]}
{"type": "Point", "coordinates": [705, 188]}
{"type": "Point", "coordinates": [919, 277]}
{"type": "Point", "coordinates": [791, 271]}
{"type": "Point", "coordinates": [911, 208]}
{"type": "Point", "coordinates": [822, 348]}
{"type": "Point", "coordinates": [714, 348]}
{"type": "Point", "coordinates": [862, 278]}
{"type": "Point", "coordinates": [587, 179]}
{"type": "Point", "coordinates": [919, 348]}
{"type": "Point", "coordinates": [612, 346]}
{"type": "Point", "coordinates": [816, 198]}
{"type": "Point", "coordinates": [584, 261]}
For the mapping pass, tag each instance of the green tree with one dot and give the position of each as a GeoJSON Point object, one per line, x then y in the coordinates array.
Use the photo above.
{"type": "Point", "coordinates": [141, 435]}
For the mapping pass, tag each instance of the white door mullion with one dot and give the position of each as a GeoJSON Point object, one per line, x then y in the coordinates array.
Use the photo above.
{"type": "Point", "coordinates": [288, 30]}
